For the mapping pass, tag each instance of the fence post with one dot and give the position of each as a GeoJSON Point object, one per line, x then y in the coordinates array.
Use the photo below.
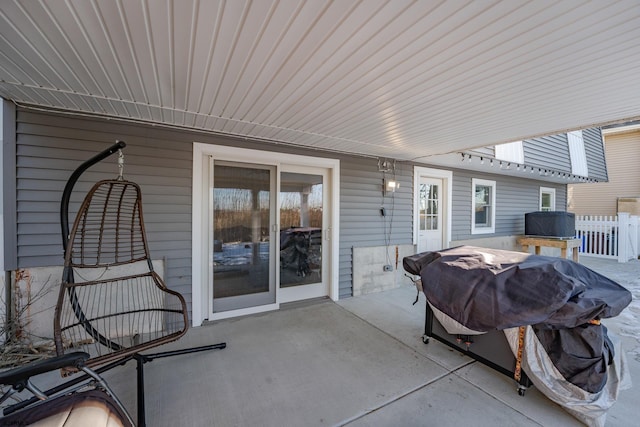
{"type": "Point", "coordinates": [623, 237]}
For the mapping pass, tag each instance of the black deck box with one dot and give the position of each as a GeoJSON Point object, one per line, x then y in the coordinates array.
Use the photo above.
{"type": "Point", "coordinates": [550, 224]}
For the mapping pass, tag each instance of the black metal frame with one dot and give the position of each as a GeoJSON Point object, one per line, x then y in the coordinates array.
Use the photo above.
{"type": "Point", "coordinates": [20, 379]}
{"type": "Point", "coordinates": [464, 343]}
{"type": "Point", "coordinates": [140, 359]}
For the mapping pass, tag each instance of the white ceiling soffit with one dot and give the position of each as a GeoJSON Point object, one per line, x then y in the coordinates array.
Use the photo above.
{"type": "Point", "coordinates": [400, 79]}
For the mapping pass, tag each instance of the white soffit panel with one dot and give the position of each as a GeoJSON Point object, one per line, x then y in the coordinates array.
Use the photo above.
{"type": "Point", "coordinates": [397, 78]}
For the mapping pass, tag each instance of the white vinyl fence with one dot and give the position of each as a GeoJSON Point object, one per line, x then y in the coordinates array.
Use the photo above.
{"type": "Point", "coordinates": [615, 237]}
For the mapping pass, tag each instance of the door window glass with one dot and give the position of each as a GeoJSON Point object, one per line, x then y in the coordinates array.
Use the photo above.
{"type": "Point", "coordinates": [429, 208]}
{"type": "Point", "coordinates": [301, 229]}
{"type": "Point", "coordinates": [241, 230]}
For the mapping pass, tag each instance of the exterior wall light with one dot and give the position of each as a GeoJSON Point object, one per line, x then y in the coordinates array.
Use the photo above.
{"type": "Point", "coordinates": [389, 186]}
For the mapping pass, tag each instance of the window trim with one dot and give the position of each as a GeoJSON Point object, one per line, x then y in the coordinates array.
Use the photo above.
{"type": "Point", "coordinates": [551, 191]}
{"type": "Point", "coordinates": [480, 229]}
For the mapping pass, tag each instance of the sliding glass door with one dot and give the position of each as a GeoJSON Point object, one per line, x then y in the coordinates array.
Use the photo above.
{"type": "Point", "coordinates": [263, 230]}
{"type": "Point", "coordinates": [303, 198]}
{"type": "Point", "coordinates": [243, 223]}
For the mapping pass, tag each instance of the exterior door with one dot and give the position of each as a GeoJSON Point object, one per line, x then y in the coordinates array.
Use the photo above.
{"type": "Point", "coordinates": [263, 231]}
{"type": "Point", "coordinates": [303, 200]}
{"type": "Point", "coordinates": [243, 214]}
{"type": "Point", "coordinates": [430, 209]}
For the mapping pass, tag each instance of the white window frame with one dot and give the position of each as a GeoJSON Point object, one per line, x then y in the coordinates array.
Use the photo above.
{"type": "Point", "coordinates": [552, 192]}
{"type": "Point", "coordinates": [483, 229]}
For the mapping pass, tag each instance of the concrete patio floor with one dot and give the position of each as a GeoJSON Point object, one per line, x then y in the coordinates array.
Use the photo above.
{"type": "Point", "coordinates": [358, 362]}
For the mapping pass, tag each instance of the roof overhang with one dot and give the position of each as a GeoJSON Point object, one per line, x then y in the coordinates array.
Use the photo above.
{"type": "Point", "coordinates": [397, 79]}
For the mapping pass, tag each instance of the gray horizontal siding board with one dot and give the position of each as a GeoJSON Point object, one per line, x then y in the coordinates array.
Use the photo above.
{"type": "Point", "coordinates": [46, 196]}
{"type": "Point", "coordinates": [180, 272]}
{"type": "Point", "coordinates": [161, 168]}
{"type": "Point", "coordinates": [36, 217]}
{"type": "Point", "coordinates": [109, 170]}
{"type": "Point", "coordinates": [45, 173]}
{"type": "Point", "coordinates": [75, 142]}
{"type": "Point", "coordinates": [177, 262]}
{"type": "Point", "coordinates": [40, 250]}
{"type": "Point", "coordinates": [108, 131]}
{"type": "Point", "coordinates": [30, 206]}
{"type": "Point", "coordinates": [40, 239]}
{"type": "Point", "coordinates": [38, 185]}
{"type": "Point", "coordinates": [45, 228]}
{"type": "Point", "coordinates": [39, 142]}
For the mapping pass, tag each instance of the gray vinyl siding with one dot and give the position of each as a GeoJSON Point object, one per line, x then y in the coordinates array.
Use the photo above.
{"type": "Point", "coordinates": [50, 146]}
{"type": "Point", "coordinates": [549, 152]}
{"type": "Point", "coordinates": [514, 198]}
{"type": "Point", "coordinates": [594, 151]}
{"type": "Point", "coordinates": [361, 224]}
{"type": "Point", "coordinates": [552, 153]}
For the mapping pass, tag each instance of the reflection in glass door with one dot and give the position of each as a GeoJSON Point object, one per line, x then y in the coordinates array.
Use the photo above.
{"type": "Point", "coordinates": [304, 224]}
{"type": "Point", "coordinates": [301, 229]}
{"type": "Point", "coordinates": [243, 214]}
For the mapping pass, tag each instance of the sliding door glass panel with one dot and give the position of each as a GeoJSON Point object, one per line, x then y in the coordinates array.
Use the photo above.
{"type": "Point", "coordinates": [242, 246]}
{"type": "Point", "coordinates": [301, 198]}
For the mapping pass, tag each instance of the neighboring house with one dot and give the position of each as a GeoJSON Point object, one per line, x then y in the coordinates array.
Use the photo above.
{"type": "Point", "coordinates": [351, 228]}
{"type": "Point", "coordinates": [622, 150]}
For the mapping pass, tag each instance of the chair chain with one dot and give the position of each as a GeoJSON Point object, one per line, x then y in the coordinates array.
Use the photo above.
{"type": "Point", "coordinates": [120, 165]}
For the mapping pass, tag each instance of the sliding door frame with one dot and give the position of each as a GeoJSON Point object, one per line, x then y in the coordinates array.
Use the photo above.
{"type": "Point", "coordinates": [201, 255]}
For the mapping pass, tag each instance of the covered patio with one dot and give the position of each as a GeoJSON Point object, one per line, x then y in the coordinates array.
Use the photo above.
{"type": "Point", "coordinates": [351, 83]}
{"type": "Point", "coordinates": [358, 362]}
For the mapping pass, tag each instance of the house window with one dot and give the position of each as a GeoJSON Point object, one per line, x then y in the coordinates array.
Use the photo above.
{"type": "Point", "coordinates": [483, 216]}
{"type": "Point", "coordinates": [547, 199]}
